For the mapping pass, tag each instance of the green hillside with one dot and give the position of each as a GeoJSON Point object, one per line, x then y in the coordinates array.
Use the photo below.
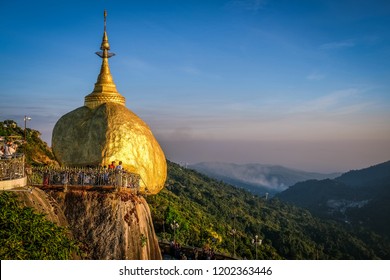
{"type": "Point", "coordinates": [25, 233]}
{"type": "Point", "coordinates": [37, 151]}
{"type": "Point", "coordinates": [208, 210]}
{"type": "Point", "coordinates": [28, 235]}
{"type": "Point", "coordinates": [358, 197]}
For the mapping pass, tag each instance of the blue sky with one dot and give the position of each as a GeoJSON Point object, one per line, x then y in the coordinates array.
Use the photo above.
{"type": "Point", "coordinates": [304, 84]}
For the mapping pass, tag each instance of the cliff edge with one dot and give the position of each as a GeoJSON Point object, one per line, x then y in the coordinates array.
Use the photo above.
{"type": "Point", "coordinates": [109, 225]}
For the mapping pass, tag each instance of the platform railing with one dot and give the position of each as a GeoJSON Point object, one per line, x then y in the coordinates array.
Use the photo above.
{"type": "Point", "coordinates": [12, 167]}
{"type": "Point", "coordinates": [65, 176]}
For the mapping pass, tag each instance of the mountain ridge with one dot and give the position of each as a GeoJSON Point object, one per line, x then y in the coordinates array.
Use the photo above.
{"type": "Point", "coordinates": [257, 178]}
{"type": "Point", "coordinates": [357, 197]}
{"type": "Point", "coordinates": [207, 210]}
{"type": "Point", "coordinates": [364, 176]}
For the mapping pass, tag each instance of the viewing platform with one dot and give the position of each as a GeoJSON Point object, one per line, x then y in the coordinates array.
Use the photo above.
{"type": "Point", "coordinates": [14, 174]}
{"type": "Point", "coordinates": [86, 179]}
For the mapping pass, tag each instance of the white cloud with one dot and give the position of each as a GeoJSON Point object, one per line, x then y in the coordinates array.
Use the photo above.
{"type": "Point", "coordinates": [328, 103]}
{"type": "Point", "coordinates": [338, 45]}
{"type": "Point", "coordinates": [136, 63]}
{"type": "Point", "coordinates": [249, 5]}
{"type": "Point", "coordinates": [197, 72]}
{"type": "Point", "coordinates": [191, 70]}
{"type": "Point", "coordinates": [337, 115]}
{"type": "Point", "coordinates": [315, 76]}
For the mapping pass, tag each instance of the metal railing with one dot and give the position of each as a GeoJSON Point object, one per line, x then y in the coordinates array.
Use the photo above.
{"type": "Point", "coordinates": [65, 176]}
{"type": "Point", "coordinates": [12, 167]}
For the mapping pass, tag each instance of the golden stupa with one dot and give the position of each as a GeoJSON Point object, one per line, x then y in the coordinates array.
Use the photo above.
{"type": "Point", "coordinates": [104, 130]}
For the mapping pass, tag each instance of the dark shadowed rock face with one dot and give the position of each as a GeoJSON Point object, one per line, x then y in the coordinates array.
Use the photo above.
{"type": "Point", "coordinates": [110, 225]}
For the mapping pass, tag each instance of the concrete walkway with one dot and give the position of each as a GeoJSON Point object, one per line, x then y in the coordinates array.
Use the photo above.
{"type": "Point", "coordinates": [11, 184]}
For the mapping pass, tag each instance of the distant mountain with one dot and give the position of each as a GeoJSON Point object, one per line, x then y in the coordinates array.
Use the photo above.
{"type": "Point", "coordinates": [367, 176]}
{"type": "Point", "coordinates": [359, 197]}
{"type": "Point", "coordinates": [257, 178]}
{"type": "Point", "coordinates": [207, 211]}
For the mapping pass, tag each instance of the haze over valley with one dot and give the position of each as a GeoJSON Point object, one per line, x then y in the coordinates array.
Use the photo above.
{"type": "Point", "coordinates": [241, 81]}
{"type": "Point", "coordinates": [257, 178]}
{"type": "Point", "coordinates": [231, 124]}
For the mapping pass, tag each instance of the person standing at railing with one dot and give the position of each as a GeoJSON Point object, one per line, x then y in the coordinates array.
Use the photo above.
{"type": "Point", "coordinates": [119, 166]}
{"type": "Point", "coordinates": [46, 178]}
{"type": "Point", "coordinates": [65, 177]}
{"type": "Point", "coordinates": [118, 172]}
{"type": "Point", "coordinates": [105, 175]}
{"type": "Point", "coordinates": [8, 150]}
{"type": "Point", "coordinates": [111, 166]}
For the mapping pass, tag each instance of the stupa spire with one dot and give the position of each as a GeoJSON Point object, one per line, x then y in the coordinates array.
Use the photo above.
{"type": "Point", "coordinates": [105, 88]}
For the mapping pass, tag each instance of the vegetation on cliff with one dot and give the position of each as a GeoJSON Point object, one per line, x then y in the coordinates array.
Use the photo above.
{"type": "Point", "coordinates": [37, 151]}
{"type": "Point", "coordinates": [27, 235]}
{"type": "Point", "coordinates": [208, 211]}
{"type": "Point", "coordinates": [106, 225]}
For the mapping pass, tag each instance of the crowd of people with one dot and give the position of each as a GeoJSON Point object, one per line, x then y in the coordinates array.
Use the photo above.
{"type": "Point", "coordinates": [177, 252]}
{"type": "Point", "coordinates": [8, 149]}
{"type": "Point", "coordinates": [11, 165]}
{"type": "Point", "coordinates": [112, 175]}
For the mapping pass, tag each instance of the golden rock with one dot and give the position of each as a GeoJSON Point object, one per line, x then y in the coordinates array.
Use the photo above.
{"type": "Point", "coordinates": [104, 130]}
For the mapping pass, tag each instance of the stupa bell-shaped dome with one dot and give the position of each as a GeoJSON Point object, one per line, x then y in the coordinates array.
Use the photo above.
{"type": "Point", "coordinates": [105, 89]}
{"type": "Point", "coordinates": [104, 130]}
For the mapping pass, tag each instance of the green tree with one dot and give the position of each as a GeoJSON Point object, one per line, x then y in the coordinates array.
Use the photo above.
{"type": "Point", "coordinates": [25, 234]}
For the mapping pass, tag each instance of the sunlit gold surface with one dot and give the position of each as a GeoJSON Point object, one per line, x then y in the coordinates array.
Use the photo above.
{"type": "Point", "coordinates": [108, 133]}
{"type": "Point", "coordinates": [105, 88]}
{"type": "Point", "coordinates": [104, 130]}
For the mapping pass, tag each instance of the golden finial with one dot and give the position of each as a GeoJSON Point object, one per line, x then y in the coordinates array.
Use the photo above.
{"type": "Point", "coordinates": [105, 20]}
{"type": "Point", "coordinates": [105, 88]}
{"type": "Point", "coordinates": [105, 46]}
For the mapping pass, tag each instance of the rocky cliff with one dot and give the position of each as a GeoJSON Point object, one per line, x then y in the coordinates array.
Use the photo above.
{"type": "Point", "coordinates": [109, 225]}
{"type": "Point", "coordinates": [43, 203]}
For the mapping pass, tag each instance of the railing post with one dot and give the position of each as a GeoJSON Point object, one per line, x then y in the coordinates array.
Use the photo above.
{"type": "Point", "coordinates": [24, 162]}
